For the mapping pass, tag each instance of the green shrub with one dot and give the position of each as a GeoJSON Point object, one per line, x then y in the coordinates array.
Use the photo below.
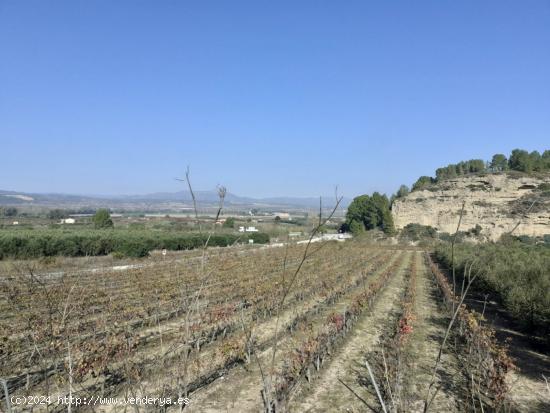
{"type": "Point", "coordinates": [518, 273]}
{"type": "Point", "coordinates": [259, 237]}
{"type": "Point", "coordinates": [416, 232]}
{"type": "Point", "coordinates": [23, 244]}
{"type": "Point", "coordinates": [356, 227]}
{"type": "Point", "coordinates": [229, 223]}
{"type": "Point", "coordinates": [118, 255]}
{"type": "Point", "coordinates": [102, 219]}
{"type": "Point", "coordinates": [132, 248]}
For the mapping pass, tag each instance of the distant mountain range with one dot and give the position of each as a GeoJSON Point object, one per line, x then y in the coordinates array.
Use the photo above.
{"type": "Point", "coordinates": [161, 200]}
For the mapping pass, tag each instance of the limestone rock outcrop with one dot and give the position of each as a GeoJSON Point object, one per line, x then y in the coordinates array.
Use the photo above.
{"type": "Point", "coordinates": [496, 202]}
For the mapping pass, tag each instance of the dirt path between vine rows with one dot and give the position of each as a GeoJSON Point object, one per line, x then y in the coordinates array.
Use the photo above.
{"type": "Point", "coordinates": [422, 350]}
{"type": "Point", "coordinates": [332, 391]}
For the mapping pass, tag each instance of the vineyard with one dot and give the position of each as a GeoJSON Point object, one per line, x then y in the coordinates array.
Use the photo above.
{"type": "Point", "coordinates": [320, 327]}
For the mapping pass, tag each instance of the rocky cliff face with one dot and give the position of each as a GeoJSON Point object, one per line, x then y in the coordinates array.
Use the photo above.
{"type": "Point", "coordinates": [496, 202]}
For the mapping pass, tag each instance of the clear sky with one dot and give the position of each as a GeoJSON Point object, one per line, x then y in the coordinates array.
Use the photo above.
{"type": "Point", "coordinates": [266, 97]}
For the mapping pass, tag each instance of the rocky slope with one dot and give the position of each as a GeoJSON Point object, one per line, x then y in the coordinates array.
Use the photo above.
{"type": "Point", "coordinates": [496, 202]}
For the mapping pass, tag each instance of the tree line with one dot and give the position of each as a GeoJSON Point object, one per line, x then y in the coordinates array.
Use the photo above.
{"type": "Point", "coordinates": [519, 160]}
{"type": "Point", "coordinates": [24, 244]}
{"type": "Point", "coordinates": [8, 212]}
{"type": "Point", "coordinates": [54, 214]}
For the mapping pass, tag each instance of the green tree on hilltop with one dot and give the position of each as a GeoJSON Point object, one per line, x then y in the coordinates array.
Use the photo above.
{"type": "Point", "coordinates": [402, 191]}
{"type": "Point", "coordinates": [499, 162]}
{"type": "Point", "coordinates": [422, 182]}
{"type": "Point", "coordinates": [520, 161]}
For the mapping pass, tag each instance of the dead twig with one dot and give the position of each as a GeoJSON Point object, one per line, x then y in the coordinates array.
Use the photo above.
{"type": "Point", "coordinates": [453, 248]}
{"type": "Point", "coordinates": [380, 399]}
{"type": "Point", "coordinates": [286, 290]}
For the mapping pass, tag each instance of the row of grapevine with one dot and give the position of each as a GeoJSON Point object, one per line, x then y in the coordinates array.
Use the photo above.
{"type": "Point", "coordinates": [117, 336]}
{"type": "Point", "coordinates": [390, 360]}
{"type": "Point", "coordinates": [216, 358]}
{"type": "Point", "coordinates": [315, 348]}
{"type": "Point", "coordinates": [486, 361]}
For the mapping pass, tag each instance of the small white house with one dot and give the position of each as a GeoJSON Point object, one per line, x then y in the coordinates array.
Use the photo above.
{"type": "Point", "coordinates": [68, 221]}
{"type": "Point", "coordinates": [15, 222]}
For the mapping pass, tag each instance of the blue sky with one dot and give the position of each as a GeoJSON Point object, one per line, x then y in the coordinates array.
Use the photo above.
{"type": "Point", "coordinates": [266, 97]}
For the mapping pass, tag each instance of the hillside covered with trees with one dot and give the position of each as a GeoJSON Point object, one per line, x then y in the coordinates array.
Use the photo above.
{"type": "Point", "coordinates": [519, 160]}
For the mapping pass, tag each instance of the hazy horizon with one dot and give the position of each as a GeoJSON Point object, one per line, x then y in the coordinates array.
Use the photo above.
{"type": "Point", "coordinates": [269, 100]}
{"type": "Point", "coordinates": [197, 191]}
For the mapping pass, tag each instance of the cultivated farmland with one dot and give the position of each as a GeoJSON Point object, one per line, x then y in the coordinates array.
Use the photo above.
{"type": "Point", "coordinates": [294, 328]}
